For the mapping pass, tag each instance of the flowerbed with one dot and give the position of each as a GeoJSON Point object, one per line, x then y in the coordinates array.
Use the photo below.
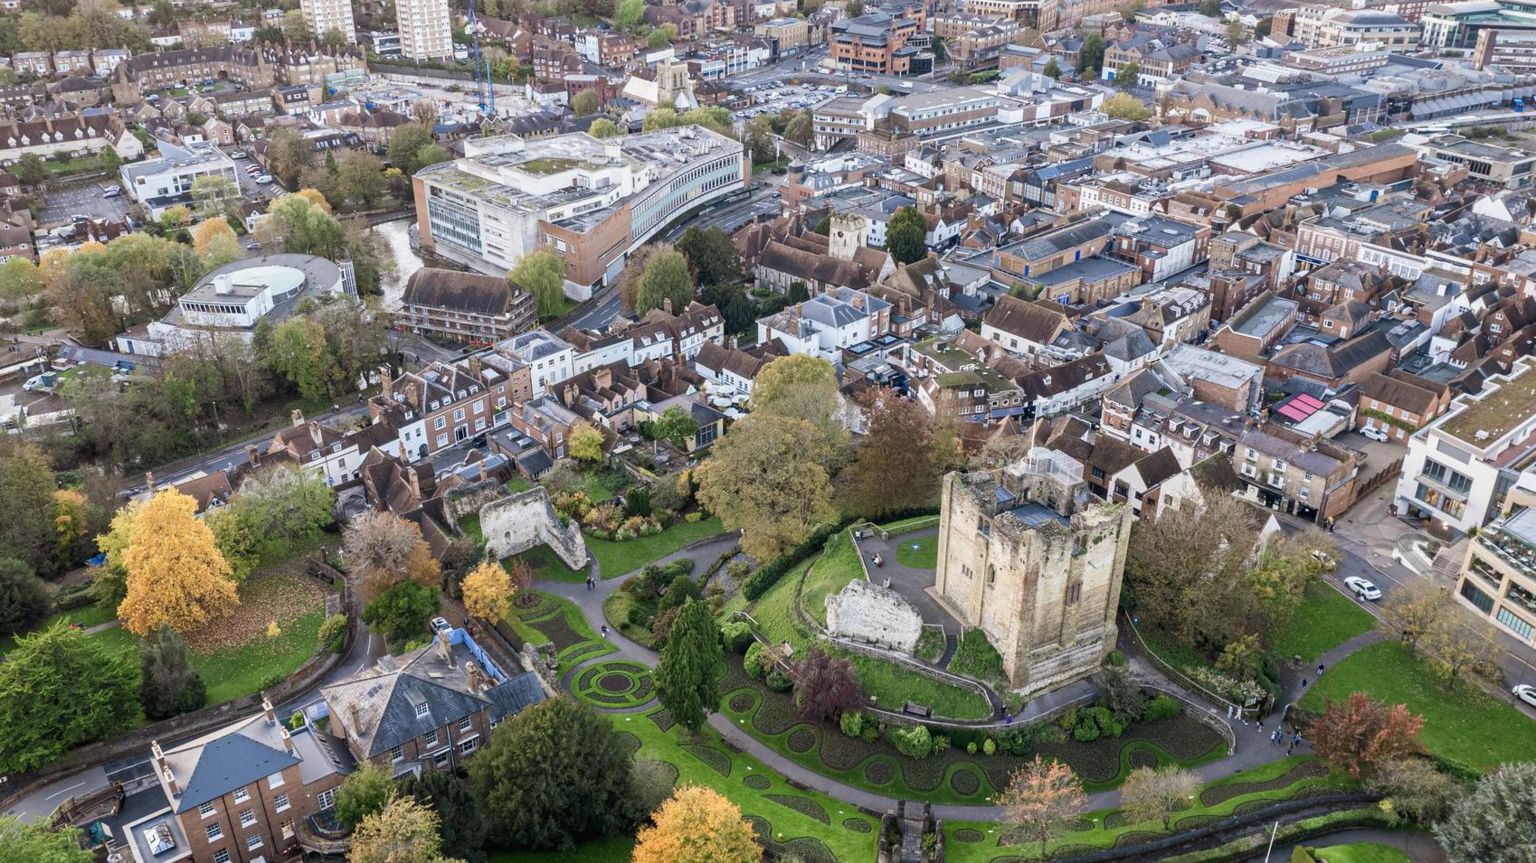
{"type": "Point", "coordinates": [804, 805]}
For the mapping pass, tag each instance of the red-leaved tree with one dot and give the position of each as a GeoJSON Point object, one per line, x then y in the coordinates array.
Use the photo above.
{"type": "Point", "coordinates": [1355, 735]}
{"type": "Point", "coordinates": [1041, 796]}
{"type": "Point", "coordinates": [825, 686]}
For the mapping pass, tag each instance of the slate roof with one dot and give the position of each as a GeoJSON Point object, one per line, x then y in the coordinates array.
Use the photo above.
{"type": "Point", "coordinates": [468, 293]}
{"type": "Point", "coordinates": [1398, 393]}
{"type": "Point", "coordinates": [1030, 321]}
{"type": "Point", "coordinates": [228, 759]}
{"type": "Point", "coordinates": [1158, 466]}
{"type": "Point", "coordinates": [1333, 361]}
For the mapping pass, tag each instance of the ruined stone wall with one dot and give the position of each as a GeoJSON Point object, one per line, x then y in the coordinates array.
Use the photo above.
{"type": "Point", "coordinates": [871, 613]}
{"type": "Point", "coordinates": [518, 522]}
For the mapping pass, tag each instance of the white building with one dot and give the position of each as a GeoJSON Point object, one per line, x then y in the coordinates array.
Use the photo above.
{"type": "Point", "coordinates": [159, 184]}
{"type": "Point", "coordinates": [825, 324]}
{"type": "Point", "coordinates": [235, 298]}
{"type": "Point", "coordinates": [1459, 467]}
{"type": "Point", "coordinates": [323, 16]}
{"type": "Point", "coordinates": [426, 29]}
{"type": "Point", "coordinates": [549, 358]}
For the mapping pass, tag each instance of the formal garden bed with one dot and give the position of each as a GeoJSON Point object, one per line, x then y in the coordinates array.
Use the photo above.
{"type": "Point", "coordinates": [1464, 726]}
{"type": "Point", "coordinates": [556, 624]}
{"type": "Point", "coordinates": [962, 771]}
{"type": "Point", "coordinates": [614, 684]}
{"type": "Point", "coordinates": [1286, 779]}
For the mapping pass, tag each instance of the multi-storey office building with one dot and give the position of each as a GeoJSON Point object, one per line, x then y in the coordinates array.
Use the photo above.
{"type": "Point", "coordinates": [588, 200]}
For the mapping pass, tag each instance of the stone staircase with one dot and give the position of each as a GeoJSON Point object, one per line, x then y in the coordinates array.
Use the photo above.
{"type": "Point", "coordinates": [1447, 564]}
{"type": "Point", "coordinates": [951, 644]}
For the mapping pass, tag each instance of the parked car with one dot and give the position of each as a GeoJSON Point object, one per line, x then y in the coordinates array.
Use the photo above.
{"type": "Point", "coordinates": [1525, 692]}
{"type": "Point", "coordinates": [79, 217]}
{"type": "Point", "coordinates": [1362, 588]}
{"type": "Point", "coordinates": [239, 154]}
{"type": "Point", "coordinates": [112, 193]}
{"type": "Point", "coordinates": [263, 179]}
{"type": "Point", "coordinates": [441, 624]}
{"type": "Point", "coordinates": [43, 383]}
{"type": "Point", "coordinates": [1375, 434]}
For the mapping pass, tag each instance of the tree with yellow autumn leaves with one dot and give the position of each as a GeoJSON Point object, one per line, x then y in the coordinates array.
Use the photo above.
{"type": "Point", "coordinates": [176, 575]}
{"type": "Point", "coordinates": [697, 825]}
{"type": "Point", "coordinates": [488, 591]}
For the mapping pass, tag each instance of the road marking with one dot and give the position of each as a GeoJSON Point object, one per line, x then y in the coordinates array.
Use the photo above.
{"type": "Point", "coordinates": [65, 791]}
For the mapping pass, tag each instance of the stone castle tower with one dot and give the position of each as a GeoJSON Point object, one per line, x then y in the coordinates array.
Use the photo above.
{"type": "Point", "coordinates": [846, 234]}
{"type": "Point", "coordinates": [1034, 561]}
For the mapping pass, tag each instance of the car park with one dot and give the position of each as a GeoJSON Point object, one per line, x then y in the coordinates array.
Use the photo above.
{"type": "Point", "coordinates": [112, 193]}
{"type": "Point", "coordinates": [1525, 692]}
{"type": "Point", "coordinates": [1362, 588]}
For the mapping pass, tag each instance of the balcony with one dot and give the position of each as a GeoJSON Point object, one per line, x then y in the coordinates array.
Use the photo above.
{"type": "Point", "coordinates": [1513, 541]}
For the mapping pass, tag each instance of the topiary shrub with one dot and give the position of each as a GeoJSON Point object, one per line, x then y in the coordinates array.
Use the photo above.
{"type": "Point", "coordinates": [1162, 707]}
{"type": "Point", "coordinates": [851, 723]}
{"type": "Point", "coordinates": [736, 636]}
{"type": "Point", "coordinates": [989, 746]}
{"type": "Point", "coordinates": [913, 742]}
{"type": "Point", "coordinates": [752, 663]}
{"type": "Point", "coordinates": [970, 748]}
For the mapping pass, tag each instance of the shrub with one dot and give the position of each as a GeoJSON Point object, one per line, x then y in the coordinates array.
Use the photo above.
{"type": "Point", "coordinates": [1049, 735]}
{"type": "Point", "coordinates": [778, 681]}
{"type": "Point", "coordinates": [638, 502]}
{"type": "Point", "coordinates": [913, 742]}
{"type": "Point", "coordinates": [851, 723]}
{"type": "Point", "coordinates": [737, 636]}
{"type": "Point", "coordinates": [693, 517]}
{"type": "Point", "coordinates": [1068, 720]}
{"type": "Point", "coordinates": [940, 743]}
{"type": "Point", "coordinates": [333, 633]}
{"type": "Point", "coordinates": [1085, 732]}
{"type": "Point", "coordinates": [1116, 659]}
{"type": "Point", "coordinates": [752, 662]}
{"type": "Point", "coordinates": [970, 748]}
{"type": "Point", "coordinates": [989, 746]}
{"type": "Point", "coordinates": [296, 721]}
{"type": "Point", "coordinates": [1162, 707]}
{"type": "Point", "coordinates": [871, 731]}
{"type": "Point", "coordinates": [635, 616]}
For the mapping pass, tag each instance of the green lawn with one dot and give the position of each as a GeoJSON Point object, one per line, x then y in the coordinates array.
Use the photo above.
{"type": "Point", "coordinates": [517, 484]}
{"type": "Point", "coordinates": [976, 657]}
{"type": "Point", "coordinates": [548, 566]}
{"type": "Point", "coordinates": [919, 553]}
{"type": "Point", "coordinates": [244, 670]}
{"type": "Point", "coordinates": [916, 522]}
{"type": "Point", "coordinates": [617, 558]}
{"type": "Point", "coordinates": [85, 617]}
{"type": "Point", "coordinates": [1324, 620]}
{"type": "Point", "coordinates": [1461, 724]}
{"type": "Point", "coordinates": [833, 570]}
{"type": "Point", "coordinates": [616, 610]}
{"type": "Point", "coordinates": [892, 686]}
{"type": "Point", "coordinates": [1361, 852]}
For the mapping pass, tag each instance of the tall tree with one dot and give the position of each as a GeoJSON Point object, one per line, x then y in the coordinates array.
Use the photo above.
{"type": "Point", "coordinates": [759, 481]}
{"type": "Point", "coordinates": [906, 237]}
{"type": "Point", "coordinates": [1128, 77]}
{"type": "Point", "coordinates": [542, 274]}
{"type": "Point", "coordinates": [1413, 611]}
{"type": "Point", "coordinates": [59, 689]}
{"type": "Point", "coordinates": [1493, 824]}
{"type": "Point", "coordinates": [296, 31]}
{"type": "Point", "coordinates": [798, 129]}
{"type": "Point", "coordinates": [405, 142]}
{"type": "Point", "coordinates": [697, 825]}
{"type": "Point", "coordinates": [38, 843]}
{"type": "Point", "coordinates": [1186, 572]}
{"type": "Point", "coordinates": [1124, 106]}
{"type": "Point", "coordinates": [1463, 643]}
{"type": "Point", "coordinates": [1091, 56]}
{"type": "Point", "coordinates": [26, 503]}
{"type": "Point", "coordinates": [1417, 789]}
{"type": "Point", "coordinates": [554, 773]}
{"type": "Point", "coordinates": [586, 103]}
{"type": "Point", "coordinates": [176, 576]}
{"type": "Point", "coordinates": [361, 176]}
{"type": "Point", "coordinates": [288, 154]}
{"type": "Point", "coordinates": [759, 139]}
{"type": "Point", "coordinates": [29, 170]}
{"type": "Point", "coordinates": [1156, 793]}
{"type": "Point", "coordinates": [215, 242]}
{"type": "Point", "coordinates": [400, 613]}
{"type": "Point", "coordinates": [488, 591]}
{"type": "Point", "coordinates": [286, 506]}
{"type": "Point", "coordinates": [634, 271]}
{"type": "Point", "coordinates": [383, 549]}
{"type": "Point", "coordinates": [168, 684]}
{"type": "Point", "coordinates": [24, 599]}
{"type": "Point", "coordinates": [666, 280]}
{"type": "Point", "coordinates": [603, 127]}
{"type": "Point", "coordinates": [805, 388]}
{"type": "Point", "coordinates": [1040, 798]}
{"type": "Point", "coordinates": [214, 197]}
{"type": "Point", "coordinates": [630, 14]}
{"type": "Point", "coordinates": [296, 352]}
{"type": "Point", "coordinates": [586, 443]}
{"type": "Point", "coordinates": [675, 426]}
{"type": "Point", "coordinates": [365, 791]}
{"type": "Point", "coordinates": [825, 685]}
{"type": "Point", "coordinates": [893, 468]}
{"type": "Point", "coordinates": [403, 831]}
{"type": "Point", "coordinates": [19, 279]}
{"type": "Point", "coordinates": [460, 823]}
{"type": "Point", "coordinates": [711, 255]}
{"type": "Point", "coordinates": [1356, 734]}
{"type": "Point", "coordinates": [692, 663]}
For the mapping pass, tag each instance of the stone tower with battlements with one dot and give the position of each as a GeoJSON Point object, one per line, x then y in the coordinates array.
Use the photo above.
{"type": "Point", "coordinates": [1027, 555]}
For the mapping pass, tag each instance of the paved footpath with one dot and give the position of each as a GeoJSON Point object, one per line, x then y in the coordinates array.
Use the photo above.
{"type": "Point", "coordinates": [1253, 744]}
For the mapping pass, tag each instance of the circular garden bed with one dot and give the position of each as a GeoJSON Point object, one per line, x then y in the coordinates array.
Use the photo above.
{"type": "Point", "coordinates": [615, 684]}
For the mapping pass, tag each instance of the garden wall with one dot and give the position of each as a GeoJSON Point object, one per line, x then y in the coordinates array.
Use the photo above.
{"type": "Point", "coordinates": [871, 613]}
{"type": "Point", "coordinates": [518, 522]}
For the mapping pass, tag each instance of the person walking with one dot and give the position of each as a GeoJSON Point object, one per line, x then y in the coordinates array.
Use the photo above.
{"type": "Point", "coordinates": [605, 630]}
{"type": "Point", "coordinates": [1319, 669]}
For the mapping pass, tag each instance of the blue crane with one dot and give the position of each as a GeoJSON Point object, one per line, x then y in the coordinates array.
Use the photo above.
{"type": "Point", "coordinates": [485, 93]}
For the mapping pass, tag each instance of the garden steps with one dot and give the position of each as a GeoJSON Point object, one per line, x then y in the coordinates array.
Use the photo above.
{"type": "Point", "coordinates": [951, 644]}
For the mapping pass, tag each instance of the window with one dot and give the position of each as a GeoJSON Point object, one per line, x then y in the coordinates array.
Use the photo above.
{"type": "Point", "coordinates": [280, 802]}
{"type": "Point", "coordinates": [458, 415]}
{"type": "Point", "coordinates": [432, 738]}
{"type": "Point", "coordinates": [215, 832]}
{"type": "Point", "coordinates": [440, 423]}
{"type": "Point", "coordinates": [253, 841]}
{"type": "Point", "coordinates": [275, 780]}
{"type": "Point", "coordinates": [1517, 625]}
{"type": "Point", "coordinates": [1482, 601]}
{"type": "Point", "coordinates": [464, 724]}
{"type": "Point", "coordinates": [397, 753]}
{"type": "Point", "coordinates": [1074, 592]}
{"type": "Point", "coordinates": [326, 798]}
{"type": "Point", "coordinates": [467, 746]}
{"type": "Point", "coordinates": [221, 856]}
{"type": "Point", "coordinates": [247, 818]}
{"type": "Point", "coordinates": [242, 795]}
{"type": "Point", "coordinates": [287, 829]}
{"type": "Point", "coordinates": [206, 810]}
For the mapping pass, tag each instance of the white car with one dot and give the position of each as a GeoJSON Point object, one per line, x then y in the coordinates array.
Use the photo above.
{"type": "Point", "coordinates": [441, 624]}
{"type": "Point", "coordinates": [263, 179]}
{"type": "Point", "coordinates": [42, 383]}
{"type": "Point", "coordinates": [1362, 588]}
{"type": "Point", "coordinates": [1525, 692]}
{"type": "Point", "coordinates": [1375, 434]}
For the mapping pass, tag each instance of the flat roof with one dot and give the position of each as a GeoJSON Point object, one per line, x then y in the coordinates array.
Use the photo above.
{"type": "Point", "coordinates": [1498, 411]}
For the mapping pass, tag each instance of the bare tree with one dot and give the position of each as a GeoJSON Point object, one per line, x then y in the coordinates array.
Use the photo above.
{"type": "Point", "coordinates": [1150, 794]}
{"type": "Point", "coordinates": [383, 549]}
{"type": "Point", "coordinates": [1040, 797]}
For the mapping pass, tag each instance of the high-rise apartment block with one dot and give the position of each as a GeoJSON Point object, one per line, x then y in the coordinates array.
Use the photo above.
{"type": "Point", "coordinates": [323, 16]}
{"type": "Point", "coordinates": [426, 29]}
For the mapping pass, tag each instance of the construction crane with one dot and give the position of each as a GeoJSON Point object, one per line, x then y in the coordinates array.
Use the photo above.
{"type": "Point", "coordinates": [485, 92]}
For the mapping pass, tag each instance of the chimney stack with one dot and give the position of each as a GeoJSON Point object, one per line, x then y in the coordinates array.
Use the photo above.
{"type": "Point", "coordinates": [287, 740]}
{"type": "Point", "coordinates": [355, 718]}
{"type": "Point", "coordinates": [415, 480]}
{"type": "Point", "coordinates": [475, 366]}
{"type": "Point", "coordinates": [149, 481]}
{"type": "Point", "coordinates": [267, 711]}
{"type": "Point", "coordinates": [666, 305]}
{"type": "Point", "coordinates": [297, 417]}
{"type": "Point", "coordinates": [478, 682]}
{"type": "Point", "coordinates": [386, 382]}
{"type": "Point", "coordinates": [444, 650]}
{"type": "Point", "coordinates": [315, 433]}
{"type": "Point", "coordinates": [484, 474]}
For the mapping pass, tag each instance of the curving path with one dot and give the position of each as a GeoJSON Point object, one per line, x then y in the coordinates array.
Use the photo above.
{"type": "Point", "coordinates": [1253, 745]}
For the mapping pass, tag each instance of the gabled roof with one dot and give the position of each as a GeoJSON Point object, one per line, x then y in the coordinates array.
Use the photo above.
{"type": "Point", "coordinates": [1033, 322]}
{"type": "Point", "coordinates": [468, 293]}
{"type": "Point", "coordinates": [233, 758]}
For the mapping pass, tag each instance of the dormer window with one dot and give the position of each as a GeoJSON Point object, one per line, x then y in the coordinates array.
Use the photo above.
{"type": "Point", "coordinates": [421, 709]}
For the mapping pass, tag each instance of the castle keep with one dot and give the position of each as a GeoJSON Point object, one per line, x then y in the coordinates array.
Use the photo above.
{"type": "Point", "coordinates": [1027, 555]}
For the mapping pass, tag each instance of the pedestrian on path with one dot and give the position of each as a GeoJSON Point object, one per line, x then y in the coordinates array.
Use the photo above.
{"type": "Point", "coordinates": [1295, 742]}
{"type": "Point", "coordinates": [1303, 683]}
{"type": "Point", "coordinates": [1319, 669]}
{"type": "Point", "coordinates": [605, 630]}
